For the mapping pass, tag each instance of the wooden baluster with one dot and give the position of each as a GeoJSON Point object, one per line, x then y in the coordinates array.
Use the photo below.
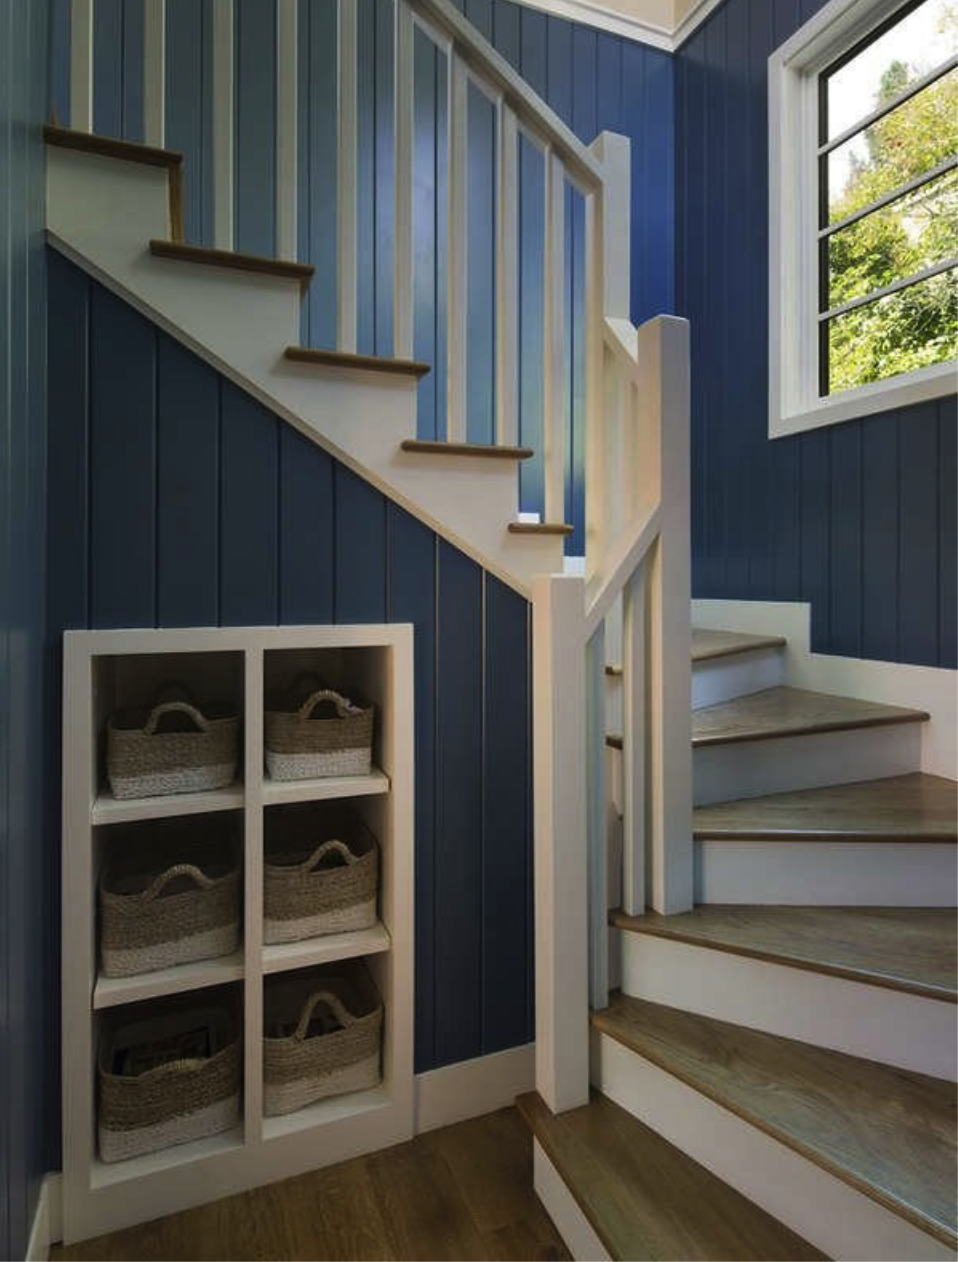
{"type": "Point", "coordinates": [597, 825]}
{"type": "Point", "coordinates": [556, 367]}
{"type": "Point", "coordinates": [458, 251]}
{"type": "Point", "coordinates": [404, 122]}
{"type": "Point", "coordinates": [507, 278]}
{"type": "Point", "coordinates": [154, 73]}
{"type": "Point", "coordinates": [634, 743]}
{"type": "Point", "coordinates": [81, 65]}
{"type": "Point", "coordinates": [287, 127]}
{"type": "Point", "coordinates": [223, 123]}
{"type": "Point", "coordinates": [347, 175]}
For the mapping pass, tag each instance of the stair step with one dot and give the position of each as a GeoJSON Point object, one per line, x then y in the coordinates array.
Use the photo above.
{"type": "Point", "coordinates": [643, 1197]}
{"type": "Point", "coordinates": [886, 1132]}
{"type": "Point", "coordinates": [540, 528]}
{"type": "Point", "coordinates": [915, 807]}
{"type": "Point", "coordinates": [708, 645]}
{"type": "Point", "coordinates": [345, 359]}
{"type": "Point", "coordinates": [488, 450]}
{"type": "Point", "coordinates": [110, 147]}
{"type": "Point", "coordinates": [177, 250]}
{"type": "Point", "coordinates": [779, 712]}
{"type": "Point", "coordinates": [900, 948]}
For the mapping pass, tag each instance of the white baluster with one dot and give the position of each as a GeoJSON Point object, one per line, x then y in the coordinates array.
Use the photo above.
{"type": "Point", "coordinates": [556, 367]}
{"type": "Point", "coordinates": [346, 175]}
{"type": "Point", "coordinates": [81, 65]}
{"type": "Point", "coordinates": [287, 127]}
{"type": "Point", "coordinates": [154, 73]}
{"type": "Point", "coordinates": [597, 503]}
{"type": "Point", "coordinates": [405, 126]}
{"type": "Point", "coordinates": [597, 826]}
{"type": "Point", "coordinates": [223, 69]}
{"type": "Point", "coordinates": [458, 251]}
{"type": "Point", "coordinates": [507, 278]}
{"type": "Point", "coordinates": [635, 743]}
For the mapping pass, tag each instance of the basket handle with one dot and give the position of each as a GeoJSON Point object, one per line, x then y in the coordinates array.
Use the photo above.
{"type": "Point", "coordinates": [343, 1015]}
{"type": "Point", "coordinates": [343, 706]}
{"type": "Point", "coordinates": [169, 707]}
{"type": "Point", "coordinates": [178, 869]}
{"type": "Point", "coordinates": [322, 851]}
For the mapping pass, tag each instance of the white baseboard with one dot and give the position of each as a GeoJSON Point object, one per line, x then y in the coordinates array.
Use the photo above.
{"type": "Point", "coordinates": [921, 687]}
{"type": "Point", "coordinates": [473, 1087]}
{"type": "Point", "coordinates": [561, 1206]}
{"type": "Point", "coordinates": [47, 1219]}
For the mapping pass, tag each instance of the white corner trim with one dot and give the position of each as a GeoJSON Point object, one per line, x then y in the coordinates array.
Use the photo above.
{"type": "Point", "coordinates": [47, 1219]}
{"type": "Point", "coordinates": [692, 20]}
{"type": "Point", "coordinates": [568, 1219]}
{"type": "Point", "coordinates": [473, 1087]}
{"type": "Point", "coordinates": [654, 33]}
{"type": "Point", "coordinates": [894, 683]}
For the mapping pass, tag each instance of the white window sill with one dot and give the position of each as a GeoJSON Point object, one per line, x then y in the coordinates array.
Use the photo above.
{"type": "Point", "coordinates": [934, 382]}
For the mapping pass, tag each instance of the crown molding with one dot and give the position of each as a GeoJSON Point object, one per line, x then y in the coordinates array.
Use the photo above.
{"type": "Point", "coordinates": [640, 30]}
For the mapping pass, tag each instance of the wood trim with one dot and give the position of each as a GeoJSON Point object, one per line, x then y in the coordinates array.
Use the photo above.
{"type": "Point", "coordinates": [347, 359]}
{"type": "Point", "coordinates": [111, 147]}
{"type": "Point", "coordinates": [177, 251]}
{"type": "Point", "coordinates": [539, 528]}
{"type": "Point", "coordinates": [613, 740]}
{"type": "Point", "coordinates": [489, 450]}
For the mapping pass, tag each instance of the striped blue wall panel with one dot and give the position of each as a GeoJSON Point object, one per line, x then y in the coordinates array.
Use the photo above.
{"type": "Point", "coordinates": [28, 860]}
{"type": "Point", "coordinates": [296, 537]}
{"type": "Point", "coordinates": [254, 141]}
{"type": "Point", "coordinates": [857, 518]}
{"type": "Point", "coordinates": [189, 108]}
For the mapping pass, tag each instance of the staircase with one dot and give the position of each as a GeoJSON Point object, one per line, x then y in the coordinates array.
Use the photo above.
{"type": "Point", "coordinates": [775, 1076]}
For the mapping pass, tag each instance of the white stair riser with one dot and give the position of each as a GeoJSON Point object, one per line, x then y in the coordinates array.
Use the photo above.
{"type": "Point", "coordinates": [827, 873]}
{"type": "Point", "coordinates": [746, 769]}
{"type": "Point", "coordinates": [562, 1207]}
{"type": "Point", "coordinates": [908, 1031]}
{"type": "Point", "coordinates": [723, 678]}
{"type": "Point", "coordinates": [819, 1206]}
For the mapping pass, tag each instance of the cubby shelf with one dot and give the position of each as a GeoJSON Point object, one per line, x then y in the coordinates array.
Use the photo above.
{"type": "Point", "coordinates": [105, 670]}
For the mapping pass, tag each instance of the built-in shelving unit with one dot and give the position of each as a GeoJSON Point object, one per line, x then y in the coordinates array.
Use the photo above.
{"type": "Point", "coordinates": [105, 670]}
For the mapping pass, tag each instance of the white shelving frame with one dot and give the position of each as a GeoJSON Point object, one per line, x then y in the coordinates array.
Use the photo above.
{"type": "Point", "coordinates": [99, 1197]}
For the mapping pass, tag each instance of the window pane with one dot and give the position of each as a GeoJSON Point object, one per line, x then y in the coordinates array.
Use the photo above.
{"type": "Point", "coordinates": [909, 329]}
{"type": "Point", "coordinates": [915, 232]}
{"type": "Point", "coordinates": [910, 140]}
{"type": "Point", "coordinates": [923, 39]}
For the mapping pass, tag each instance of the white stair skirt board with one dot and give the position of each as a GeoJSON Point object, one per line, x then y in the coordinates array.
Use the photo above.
{"type": "Point", "coordinates": [721, 678]}
{"type": "Point", "coordinates": [102, 212]}
{"type": "Point", "coordinates": [921, 687]}
{"type": "Point", "coordinates": [562, 1207]}
{"type": "Point", "coordinates": [455, 1093]}
{"type": "Point", "coordinates": [47, 1219]}
{"type": "Point", "coordinates": [909, 1031]}
{"type": "Point", "coordinates": [820, 1207]}
{"type": "Point", "coordinates": [827, 873]}
{"type": "Point", "coordinates": [748, 769]}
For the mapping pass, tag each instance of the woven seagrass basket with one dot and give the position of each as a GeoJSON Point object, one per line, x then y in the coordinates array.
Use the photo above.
{"type": "Point", "coordinates": [169, 896]}
{"type": "Point", "coordinates": [168, 1079]}
{"type": "Point", "coordinates": [321, 875]}
{"type": "Point", "coordinates": [172, 747]}
{"type": "Point", "coordinates": [323, 1035]}
{"type": "Point", "coordinates": [325, 734]}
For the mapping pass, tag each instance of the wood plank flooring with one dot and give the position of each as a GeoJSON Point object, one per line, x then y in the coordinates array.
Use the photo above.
{"type": "Point", "coordinates": [885, 1131]}
{"type": "Point", "coordinates": [647, 1199]}
{"type": "Point", "coordinates": [901, 948]}
{"type": "Point", "coordinates": [915, 807]}
{"type": "Point", "coordinates": [777, 712]}
{"type": "Point", "coordinates": [708, 645]}
{"type": "Point", "coordinates": [463, 1192]}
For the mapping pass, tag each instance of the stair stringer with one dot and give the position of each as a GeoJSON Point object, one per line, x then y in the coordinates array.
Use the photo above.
{"type": "Point", "coordinates": [102, 214]}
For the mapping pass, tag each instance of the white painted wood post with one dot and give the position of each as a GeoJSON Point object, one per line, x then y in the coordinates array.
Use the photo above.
{"type": "Point", "coordinates": [615, 154]}
{"type": "Point", "coordinates": [561, 865]}
{"type": "Point", "coordinates": [597, 825]}
{"type": "Point", "coordinates": [663, 370]}
{"type": "Point", "coordinates": [507, 278]}
{"type": "Point", "coordinates": [634, 743]}
{"type": "Point", "coordinates": [154, 73]}
{"type": "Point", "coordinates": [598, 533]}
{"type": "Point", "coordinates": [223, 58]}
{"type": "Point", "coordinates": [458, 250]}
{"type": "Point", "coordinates": [404, 122]}
{"type": "Point", "coordinates": [346, 175]}
{"type": "Point", "coordinates": [287, 128]}
{"type": "Point", "coordinates": [81, 65]}
{"type": "Point", "coordinates": [555, 369]}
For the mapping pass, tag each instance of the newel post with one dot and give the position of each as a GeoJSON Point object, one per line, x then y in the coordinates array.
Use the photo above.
{"type": "Point", "coordinates": [561, 860]}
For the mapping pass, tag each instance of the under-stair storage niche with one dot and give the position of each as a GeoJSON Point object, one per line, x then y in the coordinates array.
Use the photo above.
{"type": "Point", "coordinates": [189, 956]}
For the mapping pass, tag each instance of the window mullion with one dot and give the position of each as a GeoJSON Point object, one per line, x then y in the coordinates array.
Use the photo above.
{"type": "Point", "coordinates": [904, 283]}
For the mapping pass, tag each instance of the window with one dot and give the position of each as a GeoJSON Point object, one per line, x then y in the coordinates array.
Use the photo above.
{"type": "Point", "coordinates": [864, 212]}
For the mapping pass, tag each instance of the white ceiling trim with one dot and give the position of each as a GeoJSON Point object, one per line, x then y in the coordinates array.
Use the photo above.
{"type": "Point", "coordinates": [601, 18]}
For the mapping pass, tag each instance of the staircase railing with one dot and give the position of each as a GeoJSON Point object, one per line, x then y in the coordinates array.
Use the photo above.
{"type": "Point", "coordinates": [636, 457]}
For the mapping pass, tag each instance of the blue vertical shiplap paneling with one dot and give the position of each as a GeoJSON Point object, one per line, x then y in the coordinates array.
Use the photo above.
{"type": "Point", "coordinates": [845, 520]}
{"type": "Point", "coordinates": [249, 520]}
{"type": "Point", "coordinates": [118, 68]}
{"type": "Point", "coordinates": [316, 214]}
{"type": "Point", "coordinates": [187, 470]}
{"type": "Point", "coordinates": [254, 142]}
{"type": "Point", "coordinates": [481, 194]}
{"type": "Point", "coordinates": [947, 531]}
{"type": "Point", "coordinates": [457, 962]}
{"type": "Point", "coordinates": [359, 535]}
{"type": "Point", "coordinates": [815, 531]}
{"type": "Point", "coordinates": [189, 108]}
{"type": "Point", "coordinates": [880, 537]}
{"type": "Point", "coordinates": [918, 536]}
{"type": "Point", "coordinates": [123, 463]}
{"type": "Point", "coordinates": [305, 530]}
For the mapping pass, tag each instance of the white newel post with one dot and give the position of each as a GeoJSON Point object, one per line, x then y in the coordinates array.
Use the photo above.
{"type": "Point", "coordinates": [561, 862]}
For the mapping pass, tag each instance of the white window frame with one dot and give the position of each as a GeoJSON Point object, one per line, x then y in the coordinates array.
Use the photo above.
{"type": "Point", "coordinates": [795, 404]}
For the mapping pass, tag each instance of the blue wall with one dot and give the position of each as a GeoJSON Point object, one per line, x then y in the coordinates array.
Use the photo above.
{"type": "Point", "coordinates": [858, 518]}
{"type": "Point", "coordinates": [176, 500]}
{"type": "Point", "coordinates": [26, 985]}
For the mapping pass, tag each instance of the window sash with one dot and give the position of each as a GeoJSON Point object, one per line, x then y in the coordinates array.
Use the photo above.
{"type": "Point", "coordinates": [892, 195]}
{"type": "Point", "coordinates": [876, 115]}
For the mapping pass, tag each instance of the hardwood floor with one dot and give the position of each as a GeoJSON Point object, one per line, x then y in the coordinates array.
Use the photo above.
{"type": "Point", "coordinates": [911, 949]}
{"type": "Point", "coordinates": [463, 1192]}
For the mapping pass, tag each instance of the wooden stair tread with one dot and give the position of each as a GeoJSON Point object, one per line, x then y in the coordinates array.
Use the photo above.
{"type": "Point", "coordinates": [540, 528]}
{"type": "Point", "coordinates": [346, 359]}
{"type": "Point", "coordinates": [488, 450]}
{"type": "Point", "coordinates": [180, 252]}
{"type": "Point", "coordinates": [909, 949]}
{"type": "Point", "coordinates": [707, 644]}
{"type": "Point", "coordinates": [916, 807]}
{"type": "Point", "coordinates": [885, 1131]}
{"type": "Point", "coordinates": [644, 1197]}
{"type": "Point", "coordinates": [779, 712]}
{"type": "Point", "coordinates": [110, 147]}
